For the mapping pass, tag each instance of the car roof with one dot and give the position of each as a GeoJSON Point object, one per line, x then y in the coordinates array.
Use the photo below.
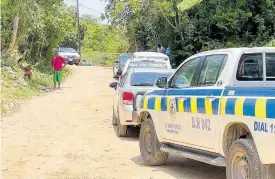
{"type": "Point", "coordinates": [154, 54]}
{"type": "Point", "coordinates": [158, 70]}
{"type": "Point", "coordinates": [147, 59]}
{"type": "Point", "coordinates": [126, 54]}
{"type": "Point", "coordinates": [239, 50]}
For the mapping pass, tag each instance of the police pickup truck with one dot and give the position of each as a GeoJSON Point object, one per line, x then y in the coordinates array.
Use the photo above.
{"type": "Point", "coordinates": [223, 114]}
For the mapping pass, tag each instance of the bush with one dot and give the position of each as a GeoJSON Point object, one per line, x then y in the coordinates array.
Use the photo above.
{"type": "Point", "coordinates": [15, 88]}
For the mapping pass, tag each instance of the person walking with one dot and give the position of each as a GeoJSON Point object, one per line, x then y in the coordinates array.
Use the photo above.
{"type": "Point", "coordinates": [159, 48]}
{"type": "Point", "coordinates": [57, 65]}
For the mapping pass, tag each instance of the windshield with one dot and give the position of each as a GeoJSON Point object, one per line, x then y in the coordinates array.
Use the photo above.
{"type": "Point", "coordinates": [146, 78]}
{"type": "Point", "coordinates": [125, 58]}
{"type": "Point", "coordinates": [69, 50]}
{"type": "Point", "coordinates": [147, 64]}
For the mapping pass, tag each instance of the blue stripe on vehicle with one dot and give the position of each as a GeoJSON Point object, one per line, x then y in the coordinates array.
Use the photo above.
{"type": "Point", "coordinates": [270, 108]}
{"type": "Point", "coordinates": [187, 106]}
{"type": "Point", "coordinates": [163, 104]}
{"type": "Point", "coordinates": [230, 106]}
{"type": "Point", "coordinates": [151, 103]}
{"type": "Point", "coordinates": [215, 106]}
{"type": "Point", "coordinates": [186, 92]}
{"type": "Point", "coordinates": [248, 92]}
{"type": "Point", "coordinates": [249, 107]}
{"type": "Point", "coordinates": [201, 105]}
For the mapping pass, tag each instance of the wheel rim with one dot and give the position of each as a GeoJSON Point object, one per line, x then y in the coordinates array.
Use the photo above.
{"type": "Point", "coordinates": [240, 166]}
{"type": "Point", "coordinates": [148, 141]}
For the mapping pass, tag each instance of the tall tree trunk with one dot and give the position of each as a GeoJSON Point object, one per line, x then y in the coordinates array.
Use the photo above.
{"type": "Point", "coordinates": [14, 34]}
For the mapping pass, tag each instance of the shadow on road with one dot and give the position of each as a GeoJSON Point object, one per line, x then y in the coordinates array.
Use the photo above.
{"type": "Point", "coordinates": [132, 134]}
{"type": "Point", "coordinates": [182, 168]}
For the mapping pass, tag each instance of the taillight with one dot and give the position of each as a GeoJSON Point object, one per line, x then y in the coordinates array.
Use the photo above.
{"type": "Point", "coordinates": [127, 97]}
{"type": "Point", "coordinates": [122, 76]}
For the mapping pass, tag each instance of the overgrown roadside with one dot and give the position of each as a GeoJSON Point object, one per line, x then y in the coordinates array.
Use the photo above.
{"type": "Point", "coordinates": [14, 88]}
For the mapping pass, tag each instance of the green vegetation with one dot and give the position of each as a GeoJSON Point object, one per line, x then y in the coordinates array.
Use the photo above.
{"type": "Point", "coordinates": [102, 43]}
{"type": "Point", "coordinates": [30, 31]}
{"type": "Point", "coordinates": [197, 26]}
{"type": "Point", "coordinates": [14, 88]}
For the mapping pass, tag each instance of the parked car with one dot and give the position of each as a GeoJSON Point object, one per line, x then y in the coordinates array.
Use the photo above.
{"type": "Point", "coordinates": [146, 63]}
{"type": "Point", "coordinates": [70, 54]}
{"type": "Point", "coordinates": [135, 80]}
{"type": "Point", "coordinates": [119, 64]}
{"type": "Point", "coordinates": [223, 114]}
{"type": "Point", "coordinates": [150, 55]}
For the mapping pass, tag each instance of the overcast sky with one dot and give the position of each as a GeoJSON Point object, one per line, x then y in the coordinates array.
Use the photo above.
{"type": "Point", "coordinates": [97, 5]}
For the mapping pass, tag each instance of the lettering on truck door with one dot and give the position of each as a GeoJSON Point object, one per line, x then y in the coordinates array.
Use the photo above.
{"type": "Point", "coordinates": [202, 116]}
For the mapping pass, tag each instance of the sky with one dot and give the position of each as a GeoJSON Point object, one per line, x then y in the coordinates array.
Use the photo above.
{"type": "Point", "coordinates": [97, 6]}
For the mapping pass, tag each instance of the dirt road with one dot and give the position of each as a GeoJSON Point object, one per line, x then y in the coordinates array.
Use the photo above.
{"type": "Point", "coordinates": [67, 134]}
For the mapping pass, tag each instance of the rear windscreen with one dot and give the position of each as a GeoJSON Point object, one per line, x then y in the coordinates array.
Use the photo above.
{"type": "Point", "coordinates": [145, 64]}
{"type": "Point", "coordinates": [146, 78]}
{"type": "Point", "coordinates": [125, 58]}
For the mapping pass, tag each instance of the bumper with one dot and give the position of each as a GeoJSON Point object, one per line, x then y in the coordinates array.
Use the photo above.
{"type": "Point", "coordinates": [125, 116]}
{"type": "Point", "coordinates": [135, 117]}
{"type": "Point", "coordinates": [73, 60]}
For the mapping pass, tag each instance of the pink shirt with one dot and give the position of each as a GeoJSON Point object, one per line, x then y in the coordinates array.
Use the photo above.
{"type": "Point", "coordinates": [57, 63]}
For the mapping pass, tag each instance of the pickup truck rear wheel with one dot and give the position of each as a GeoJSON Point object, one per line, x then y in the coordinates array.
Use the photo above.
{"type": "Point", "coordinates": [121, 129]}
{"type": "Point", "coordinates": [114, 120]}
{"type": "Point", "coordinates": [243, 161]}
{"type": "Point", "coordinates": [150, 146]}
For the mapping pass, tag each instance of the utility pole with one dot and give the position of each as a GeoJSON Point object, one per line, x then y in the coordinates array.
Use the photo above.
{"type": "Point", "coordinates": [78, 27]}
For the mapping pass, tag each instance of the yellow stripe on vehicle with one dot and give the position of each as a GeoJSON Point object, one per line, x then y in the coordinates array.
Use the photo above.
{"type": "Point", "coordinates": [239, 106]}
{"type": "Point", "coordinates": [260, 108]}
{"type": "Point", "coordinates": [145, 103]}
{"type": "Point", "coordinates": [194, 107]}
{"type": "Point", "coordinates": [157, 106]}
{"type": "Point", "coordinates": [223, 105]}
{"type": "Point", "coordinates": [180, 105]}
{"type": "Point", "coordinates": [208, 107]}
{"type": "Point", "coordinates": [168, 100]}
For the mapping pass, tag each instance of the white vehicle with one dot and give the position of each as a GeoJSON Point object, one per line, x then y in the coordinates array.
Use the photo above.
{"type": "Point", "coordinates": [224, 115]}
{"type": "Point", "coordinates": [70, 55]}
{"type": "Point", "coordinates": [135, 80]}
{"type": "Point", "coordinates": [150, 55]}
{"type": "Point", "coordinates": [119, 64]}
{"type": "Point", "coordinates": [146, 63]}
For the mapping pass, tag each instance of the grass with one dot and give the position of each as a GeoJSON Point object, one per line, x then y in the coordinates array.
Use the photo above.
{"type": "Point", "coordinates": [99, 58]}
{"type": "Point", "coordinates": [14, 88]}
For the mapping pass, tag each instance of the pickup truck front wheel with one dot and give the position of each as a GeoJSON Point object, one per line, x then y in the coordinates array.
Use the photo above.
{"type": "Point", "coordinates": [150, 146]}
{"type": "Point", "coordinates": [243, 161]}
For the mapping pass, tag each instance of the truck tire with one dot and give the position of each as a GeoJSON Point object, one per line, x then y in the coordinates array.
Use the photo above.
{"type": "Point", "coordinates": [243, 161]}
{"type": "Point", "coordinates": [150, 146]}
{"type": "Point", "coordinates": [121, 129]}
{"type": "Point", "coordinates": [114, 119]}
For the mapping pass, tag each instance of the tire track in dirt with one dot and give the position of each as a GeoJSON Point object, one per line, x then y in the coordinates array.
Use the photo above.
{"type": "Point", "coordinates": [67, 134]}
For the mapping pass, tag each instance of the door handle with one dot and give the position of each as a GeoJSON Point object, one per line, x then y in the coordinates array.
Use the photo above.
{"type": "Point", "coordinates": [210, 98]}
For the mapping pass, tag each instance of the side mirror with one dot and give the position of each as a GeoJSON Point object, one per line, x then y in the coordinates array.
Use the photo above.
{"type": "Point", "coordinates": [161, 82]}
{"type": "Point", "coordinates": [119, 73]}
{"type": "Point", "coordinates": [116, 61]}
{"type": "Point", "coordinates": [113, 85]}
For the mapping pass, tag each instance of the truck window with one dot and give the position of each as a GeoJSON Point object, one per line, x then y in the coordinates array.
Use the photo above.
{"type": "Point", "coordinates": [185, 74]}
{"type": "Point", "coordinates": [270, 66]}
{"type": "Point", "coordinates": [211, 69]}
{"type": "Point", "coordinates": [250, 67]}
